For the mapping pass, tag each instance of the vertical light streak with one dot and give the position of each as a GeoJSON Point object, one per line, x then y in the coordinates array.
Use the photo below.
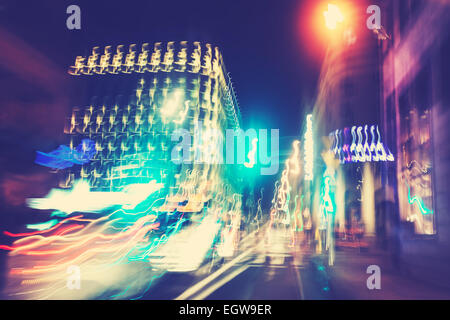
{"type": "Point", "coordinates": [340, 199]}
{"type": "Point", "coordinates": [295, 157]}
{"type": "Point", "coordinates": [252, 154]}
{"type": "Point", "coordinates": [309, 149]}
{"type": "Point", "coordinates": [368, 199]}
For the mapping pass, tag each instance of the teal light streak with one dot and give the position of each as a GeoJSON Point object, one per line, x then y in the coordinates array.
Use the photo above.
{"type": "Point", "coordinates": [43, 226]}
{"type": "Point", "coordinates": [58, 213]}
{"type": "Point", "coordinates": [423, 209]}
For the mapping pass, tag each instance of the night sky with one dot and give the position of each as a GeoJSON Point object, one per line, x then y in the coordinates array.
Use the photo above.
{"type": "Point", "coordinates": [262, 47]}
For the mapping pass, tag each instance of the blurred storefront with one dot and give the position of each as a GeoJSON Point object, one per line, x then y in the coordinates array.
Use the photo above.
{"type": "Point", "coordinates": [414, 101]}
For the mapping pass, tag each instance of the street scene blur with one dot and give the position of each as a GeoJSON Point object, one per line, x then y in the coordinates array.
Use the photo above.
{"type": "Point", "coordinates": [195, 150]}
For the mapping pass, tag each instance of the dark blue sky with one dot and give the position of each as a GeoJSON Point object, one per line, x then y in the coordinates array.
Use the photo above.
{"type": "Point", "coordinates": [260, 40]}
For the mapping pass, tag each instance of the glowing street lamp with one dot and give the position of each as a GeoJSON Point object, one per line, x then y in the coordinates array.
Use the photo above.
{"type": "Point", "coordinates": [333, 16]}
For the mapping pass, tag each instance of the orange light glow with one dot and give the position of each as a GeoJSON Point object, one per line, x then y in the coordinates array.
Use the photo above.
{"type": "Point", "coordinates": [330, 24]}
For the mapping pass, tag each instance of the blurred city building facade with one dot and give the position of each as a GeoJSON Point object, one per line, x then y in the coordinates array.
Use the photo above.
{"type": "Point", "coordinates": [393, 79]}
{"type": "Point", "coordinates": [136, 98]}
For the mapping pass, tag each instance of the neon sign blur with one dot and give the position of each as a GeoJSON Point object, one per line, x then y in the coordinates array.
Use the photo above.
{"type": "Point", "coordinates": [360, 150]}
